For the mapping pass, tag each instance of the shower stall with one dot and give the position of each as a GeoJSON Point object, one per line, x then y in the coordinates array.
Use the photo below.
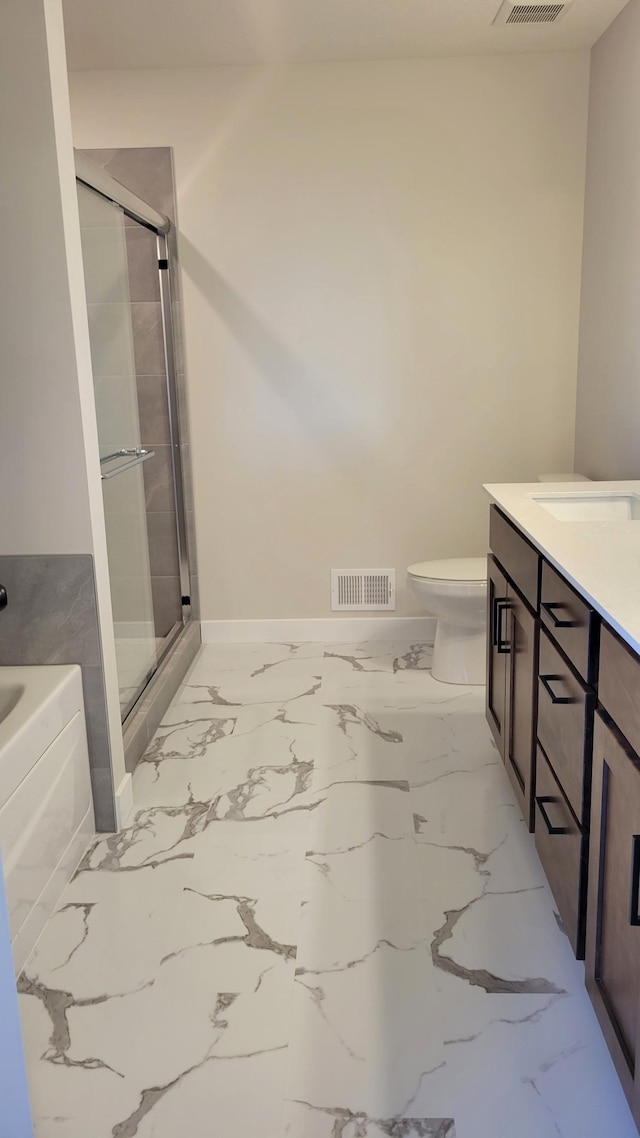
{"type": "Point", "coordinates": [131, 288]}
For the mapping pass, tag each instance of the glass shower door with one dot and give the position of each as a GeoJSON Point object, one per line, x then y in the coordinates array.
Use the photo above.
{"type": "Point", "coordinates": [122, 455]}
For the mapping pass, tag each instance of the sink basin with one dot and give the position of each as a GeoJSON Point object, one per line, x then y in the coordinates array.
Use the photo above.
{"type": "Point", "coordinates": [10, 694]}
{"type": "Point", "coordinates": [591, 506]}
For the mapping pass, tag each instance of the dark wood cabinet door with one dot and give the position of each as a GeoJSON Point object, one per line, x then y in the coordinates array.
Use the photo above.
{"type": "Point", "coordinates": [562, 848]}
{"type": "Point", "coordinates": [521, 700]}
{"type": "Point", "coordinates": [497, 652]}
{"type": "Point", "coordinates": [613, 920]}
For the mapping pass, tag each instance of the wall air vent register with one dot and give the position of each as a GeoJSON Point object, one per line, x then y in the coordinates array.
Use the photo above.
{"type": "Point", "coordinates": [360, 589]}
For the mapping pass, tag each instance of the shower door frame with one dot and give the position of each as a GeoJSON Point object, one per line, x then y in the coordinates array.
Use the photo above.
{"type": "Point", "coordinates": [99, 181]}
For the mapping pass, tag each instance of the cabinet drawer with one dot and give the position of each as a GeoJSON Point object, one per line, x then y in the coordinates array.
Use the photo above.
{"type": "Point", "coordinates": [561, 847]}
{"type": "Point", "coordinates": [565, 724]}
{"type": "Point", "coordinates": [517, 557]}
{"type": "Point", "coordinates": [619, 685]}
{"type": "Point", "coordinates": [570, 621]}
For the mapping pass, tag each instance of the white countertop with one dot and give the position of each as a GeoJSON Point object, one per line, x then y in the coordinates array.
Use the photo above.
{"type": "Point", "coordinates": [601, 559]}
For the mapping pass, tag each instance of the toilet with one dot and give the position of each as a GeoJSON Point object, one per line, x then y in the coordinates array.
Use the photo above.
{"type": "Point", "coordinates": [455, 591]}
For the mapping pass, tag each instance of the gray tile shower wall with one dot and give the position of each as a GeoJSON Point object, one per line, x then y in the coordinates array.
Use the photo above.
{"type": "Point", "coordinates": [149, 173]}
{"type": "Point", "coordinates": [147, 170]}
{"type": "Point", "coordinates": [52, 618]}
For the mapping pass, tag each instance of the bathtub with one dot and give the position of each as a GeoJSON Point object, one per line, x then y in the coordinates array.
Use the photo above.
{"type": "Point", "coordinates": [46, 809]}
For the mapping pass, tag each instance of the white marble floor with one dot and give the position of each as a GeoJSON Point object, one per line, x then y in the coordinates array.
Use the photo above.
{"type": "Point", "coordinates": [327, 920]}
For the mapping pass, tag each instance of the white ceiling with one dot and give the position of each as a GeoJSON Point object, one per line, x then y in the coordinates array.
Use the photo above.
{"type": "Point", "coordinates": [199, 33]}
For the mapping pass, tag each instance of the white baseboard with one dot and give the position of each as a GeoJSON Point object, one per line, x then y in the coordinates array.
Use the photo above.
{"type": "Point", "coordinates": [328, 630]}
{"type": "Point", "coordinates": [124, 801]}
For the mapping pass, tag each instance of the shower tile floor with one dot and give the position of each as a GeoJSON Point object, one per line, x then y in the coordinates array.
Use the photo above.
{"type": "Point", "coordinates": [326, 920]}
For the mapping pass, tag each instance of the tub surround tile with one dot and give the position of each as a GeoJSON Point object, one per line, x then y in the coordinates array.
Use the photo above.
{"type": "Point", "coordinates": [54, 595]}
{"type": "Point", "coordinates": [328, 892]}
{"type": "Point", "coordinates": [52, 618]}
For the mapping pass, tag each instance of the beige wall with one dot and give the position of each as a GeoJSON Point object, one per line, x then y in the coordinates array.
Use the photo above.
{"type": "Point", "coordinates": [44, 506]}
{"type": "Point", "coordinates": [608, 408]}
{"type": "Point", "coordinates": [381, 270]}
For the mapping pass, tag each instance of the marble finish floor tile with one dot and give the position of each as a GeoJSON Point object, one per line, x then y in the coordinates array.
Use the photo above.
{"type": "Point", "coordinates": [326, 920]}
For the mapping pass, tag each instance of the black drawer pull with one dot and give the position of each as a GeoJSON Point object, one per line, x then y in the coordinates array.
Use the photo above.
{"type": "Point", "coordinates": [545, 681]}
{"type": "Point", "coordinates": [550, 827]}
{"type": "Point", "coordinates": [549, 606]}
{"type": "Point", "coordinates": [634, 918]}
{"type": "Point", "coordinates": [503, 646]}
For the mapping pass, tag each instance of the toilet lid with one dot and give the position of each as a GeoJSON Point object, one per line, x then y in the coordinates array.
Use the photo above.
{"type": "Point", "coordinates": [452, 569]}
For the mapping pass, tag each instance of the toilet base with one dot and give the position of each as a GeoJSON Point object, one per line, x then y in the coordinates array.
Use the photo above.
{"type": "Point", "coordinates": [459, 654]}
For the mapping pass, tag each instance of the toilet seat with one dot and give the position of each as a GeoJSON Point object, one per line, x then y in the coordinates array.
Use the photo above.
{"type": "Point", "coordinates": [467, 570]}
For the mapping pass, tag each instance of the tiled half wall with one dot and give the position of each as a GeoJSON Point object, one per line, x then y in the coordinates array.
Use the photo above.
{"type": "Point", "coordinates": [52, 618]}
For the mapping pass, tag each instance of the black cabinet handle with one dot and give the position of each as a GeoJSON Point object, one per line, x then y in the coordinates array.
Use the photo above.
{"type": "Point", "coordinates": [494, 621]}
{"type": "Point", "coordinates": [547, 821]}
{"type": "Point", "coordinates": [545, 681]}
{"type": "Point", "coordinates": [4, 600]}
{"type": "Point", "coordinates": [503, 646]}
{"type": "Point", "coordinates": [549, 606]}
{"type": "Point", "coordinates": [498, 605]}
{"type": "Point", "coordinates": [634, 918]}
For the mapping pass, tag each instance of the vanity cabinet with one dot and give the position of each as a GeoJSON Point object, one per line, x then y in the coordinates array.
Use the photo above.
{"type": "Point", "coordinates": [512, 654]}
{"type": "Point", "coordinates": [563, 702]}
{"type": "Point", "coordinates": [613, 926]}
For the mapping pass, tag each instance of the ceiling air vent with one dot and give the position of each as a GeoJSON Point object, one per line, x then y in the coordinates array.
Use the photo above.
{"type": "Point", "coordinates": [510, 13]}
